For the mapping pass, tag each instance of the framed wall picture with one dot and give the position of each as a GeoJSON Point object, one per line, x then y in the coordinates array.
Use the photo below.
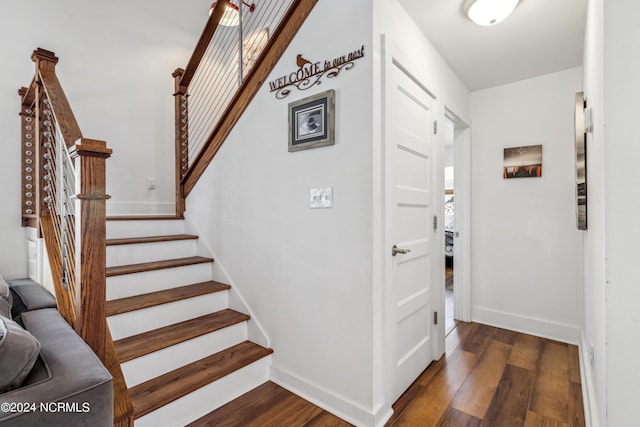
{"type": "Point", "coordinates": [580, 144]}
{"type": "Point", "coordinates": [522, 162]}
{"type": "Point", "coordinates": [312, 121]}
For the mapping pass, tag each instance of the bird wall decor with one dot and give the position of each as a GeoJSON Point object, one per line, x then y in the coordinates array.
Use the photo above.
{"type": "Point", "coordinates": [301, 62]}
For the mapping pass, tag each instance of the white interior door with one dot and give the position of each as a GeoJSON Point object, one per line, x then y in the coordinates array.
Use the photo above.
{"type": "Point", "coordinates": [409, 155]}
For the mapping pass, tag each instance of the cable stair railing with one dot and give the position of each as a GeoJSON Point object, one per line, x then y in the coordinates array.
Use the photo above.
{"type": "Point", "coordinates": [239, 46]}
{"type": "Point", "coordinates": [63, 197]}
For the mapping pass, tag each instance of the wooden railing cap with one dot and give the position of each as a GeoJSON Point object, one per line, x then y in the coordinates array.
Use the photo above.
{"type": "Point", "coordinates": [91, 147]}
{"type": "Point", "coordinates": [44, 55]}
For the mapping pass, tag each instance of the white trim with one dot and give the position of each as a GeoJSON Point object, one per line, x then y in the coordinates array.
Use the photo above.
{"type": "Point", "coordinates": [115, 208]}
{"type": "Point", "coordinates": [339, 406]}
{"type": "Point", "coordinates": [462, 194]}
{"type": "Point", "coordinates": [529, 325]}
{"type": "Point", "coordinates": [255, 330]}
{"type": "Point", "coordinates": [588, 390]}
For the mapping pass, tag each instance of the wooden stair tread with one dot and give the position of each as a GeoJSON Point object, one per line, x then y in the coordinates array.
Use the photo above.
{"type": "Point", "coordinates": [152, 299]}
{"type": "Point", "coordinates": [143, 217]}
{"type": "Point", "coordinates": [173, 385]}
{"type": "Point", "coordinates": [155, 265]}
{"type": "Point", "coordinates": [147, 342]}
{"type": "Point", "coordinates": [151, 239]}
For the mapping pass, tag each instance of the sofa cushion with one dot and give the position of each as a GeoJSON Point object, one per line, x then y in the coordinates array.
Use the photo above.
{"type": "Point", "coordinates": [5, 308]}
{"type": "Point", "coordinates": [18, 352]}
{"type": "Point", "coordinates": [4, 290]}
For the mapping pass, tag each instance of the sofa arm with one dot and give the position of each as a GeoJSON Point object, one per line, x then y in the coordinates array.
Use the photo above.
{"type": "Point", "coordinates": [77, 391]}
{"type": "Point", "coordinates": [29, 295]}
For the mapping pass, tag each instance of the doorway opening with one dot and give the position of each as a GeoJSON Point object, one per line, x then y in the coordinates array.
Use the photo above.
{"type": "Point", "coordinates": [457, 187]}
{"type": "Point", "coordinates": [449, 225]}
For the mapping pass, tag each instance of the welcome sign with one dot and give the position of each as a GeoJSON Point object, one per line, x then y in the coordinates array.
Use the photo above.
{"type": "Point", "coordinates": [310, 73]}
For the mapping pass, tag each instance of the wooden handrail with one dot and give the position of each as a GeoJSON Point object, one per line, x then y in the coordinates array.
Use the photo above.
{"type": "Point", "coordinates": [81, 298]}
{"type": "Point", "coordinates": [291, 23]}
{"type": "Point", "coordinates": [203, 42]}
{"type": "Point", "coordinates": [45, 65]}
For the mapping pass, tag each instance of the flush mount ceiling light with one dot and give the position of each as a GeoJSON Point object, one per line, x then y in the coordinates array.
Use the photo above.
{"type": "Point", "coordinates": [230, 16]}
{"type": "Point", "coordinates": [489, 12]}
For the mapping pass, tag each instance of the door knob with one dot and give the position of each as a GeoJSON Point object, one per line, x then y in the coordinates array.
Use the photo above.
{"type": "Point", "coordinates": [395, 250]}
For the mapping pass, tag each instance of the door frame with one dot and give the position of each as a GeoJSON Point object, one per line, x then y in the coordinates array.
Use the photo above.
{"type": "Point", "coordinates": [462, 232]}
{"type": "Point", "coordinates": [392, 54]}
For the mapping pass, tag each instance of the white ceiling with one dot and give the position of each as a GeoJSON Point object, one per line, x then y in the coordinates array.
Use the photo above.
{"type": "Point", "coordinates": [540, 37]}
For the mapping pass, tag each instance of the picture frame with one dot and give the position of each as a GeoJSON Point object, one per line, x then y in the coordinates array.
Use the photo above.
{"type": "Point", "coordinates": [522, 162]}
{"type": "Point", "coordinates": [580, 148]}
{"type": "Point", "coordinates": [312, 122]}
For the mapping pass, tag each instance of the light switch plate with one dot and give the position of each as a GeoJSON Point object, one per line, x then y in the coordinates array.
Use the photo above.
{"type": "Point", "coordinates": [321, 198]}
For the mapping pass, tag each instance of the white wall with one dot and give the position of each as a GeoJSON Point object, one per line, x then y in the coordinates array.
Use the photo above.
{"type": "Point", "coordinates": [526, 265]}
{"type": "Point", "coordinates": [594, 321]}
{"type": "Point", "coordinates": [116, 61]}
{"type": "Point", "coordinates": [621, 205]}
{"type": "Point", "coordinates": [305, 274]}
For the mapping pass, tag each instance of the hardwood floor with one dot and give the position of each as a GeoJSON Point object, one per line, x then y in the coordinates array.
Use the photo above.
{"type": "Point", "coordinates": [269, 405]}
{"type": "Point", "coordinates": [489, 377]}
{"type": "Point", "coordinates": [493, 377]}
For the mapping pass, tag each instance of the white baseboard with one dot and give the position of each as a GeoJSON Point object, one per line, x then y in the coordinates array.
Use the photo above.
{"type": "Point", "coordinates": [115, 208]}
{"type": "Point", "coordinates": [339, 406]}
{"type": "Point", "coordinates": [588, 390]}
{"type": "Point", "coordinates": [529, 325]}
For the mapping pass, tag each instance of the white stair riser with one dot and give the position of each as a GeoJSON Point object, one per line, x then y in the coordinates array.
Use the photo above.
{"type": "Point", "coordinates": [127, 285]}
{"type": "Point", "coordinates": [149, 252]}
{"type": "Point", "coordinates": [168, 359]}
{"type": "Point", "coordinates": [138, 321]}
{"type": "Point", "coordinates": [143, 228]}
{"type": "Point", "coordinates": [208, 398]}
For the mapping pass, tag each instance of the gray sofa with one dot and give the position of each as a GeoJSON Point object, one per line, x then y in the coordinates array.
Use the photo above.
{"type": "Point", "coordinates": [48, 375]}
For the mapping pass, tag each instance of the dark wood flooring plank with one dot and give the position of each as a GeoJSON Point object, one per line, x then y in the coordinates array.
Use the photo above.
{"type": "Point", "coordinates": [576, 406]}
{"type": "Point", "coordinates": [242, 410]}
{"type": "Point", "coordinates": [574, 364]}
{"type": "Point", "coordinates": [327, 419]}
{"type": "Point", "coordinates": [457, 335]}
{"type": "Point", "coordinates": [510, 402]}
{"type": "Point", "coordinates": [476, 393]}
{"type": "Point", "coordinates": [536, 420]}
{"type": "Point", "coordinates": [428, 407]}
{"type": "Point", "coordinates": [551, 389]}
{"type": "Point", "coordinates": [455, 418]}
{"type": "Point", "coordinates": [505, 336]}
{"type": "Point", "coordinates": [478, 338]}
{"type": "Point", "coordinates": [269, 405]}
{"type": "Point", "coordinates": [526, 352]}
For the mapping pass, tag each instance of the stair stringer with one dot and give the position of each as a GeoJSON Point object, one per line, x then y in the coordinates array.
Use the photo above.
{"type": "Point", "coordinates": [255, 330]}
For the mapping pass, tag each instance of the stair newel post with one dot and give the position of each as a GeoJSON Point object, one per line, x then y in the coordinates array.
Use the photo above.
{"type": "Point", "coordinates": [89, 157]}
{"type": "Point", "coordinates": [181, 101]}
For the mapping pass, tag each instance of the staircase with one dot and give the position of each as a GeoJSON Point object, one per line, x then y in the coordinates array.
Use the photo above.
{"type": "Point", "coordinates": [182, 350]}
